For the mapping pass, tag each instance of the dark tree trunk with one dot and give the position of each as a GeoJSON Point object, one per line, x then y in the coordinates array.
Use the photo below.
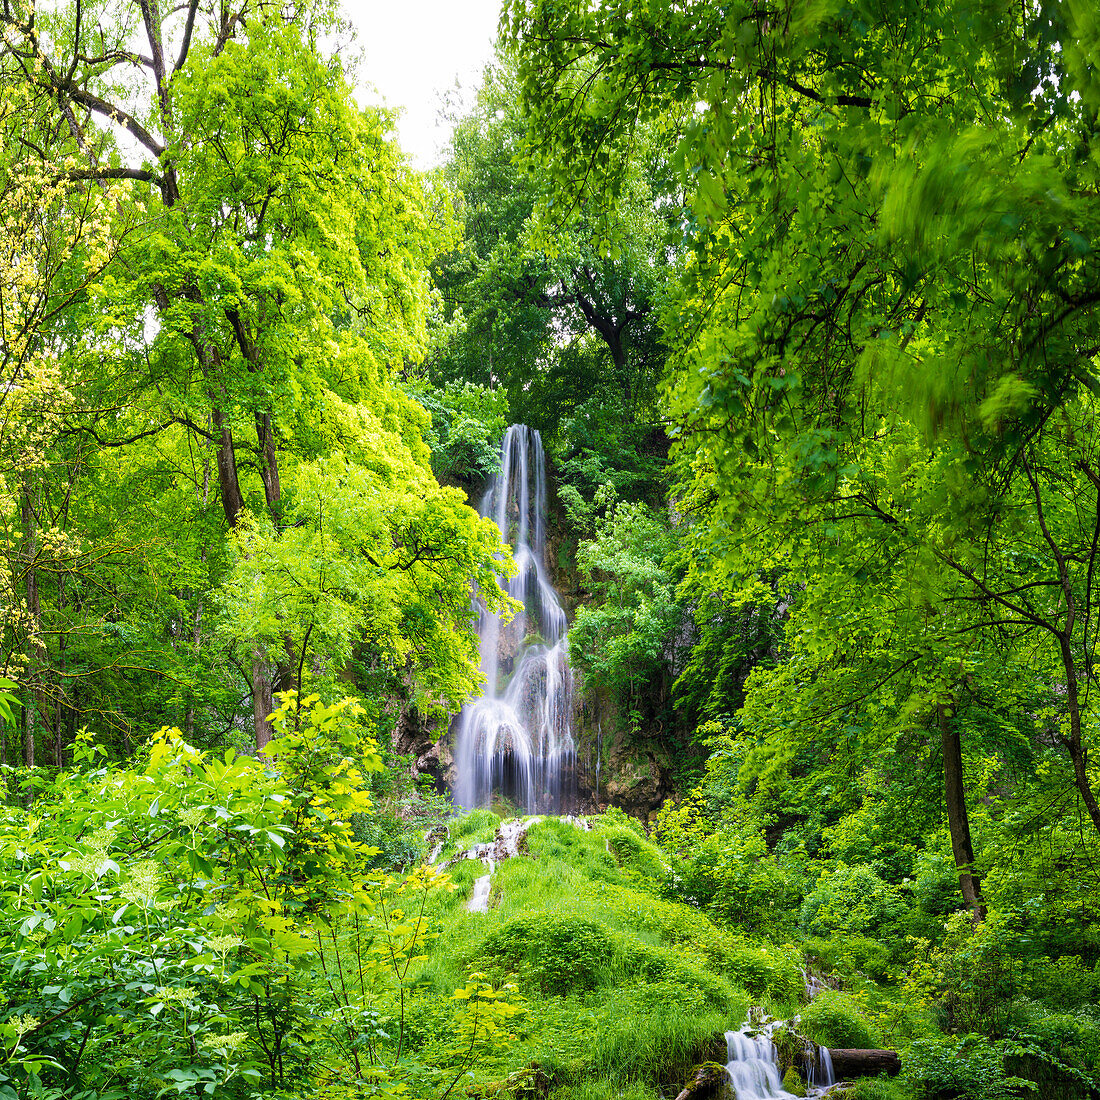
{"type": "Point", "coordinates": [1074, 743]}
{"type": "Point", "coordinates": [232, 501]}
{"type": "Point", "coordinates": [958, 822]}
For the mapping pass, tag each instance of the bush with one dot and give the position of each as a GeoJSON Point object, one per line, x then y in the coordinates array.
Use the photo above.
{"type": "Point", "coordinates": [970, 1068]}
{"type": "Point", "coordinates": [852, 900]}
{"type": "Point", "coordinates": [850, 956]}
{"type": "Point", "coordinates": [1065, 983]}
{"type": "Point", "coordinates": [553, 954]}
{"type": "Point", "coordinates": [835, 1020]}
{"type": "Point", "coordinates": [766, 971]}
{"type": "Point", "coordinates": [634, 853]}
{"type": "Point", "coordinates": [974, 974]}
{"type": "Point", "coordinates": [731, 874]}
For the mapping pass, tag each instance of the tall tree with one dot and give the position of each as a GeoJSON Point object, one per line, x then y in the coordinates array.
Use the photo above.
{"type": "Point", "coordinates": [527, 284]}
{"type": "Point", "coordinates": [277, 279]}
{"type": "Point", "coordinates": [892, 228]}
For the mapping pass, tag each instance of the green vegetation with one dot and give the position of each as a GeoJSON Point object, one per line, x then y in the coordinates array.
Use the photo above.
{"type": "Point", "coordinates": [804, 300]}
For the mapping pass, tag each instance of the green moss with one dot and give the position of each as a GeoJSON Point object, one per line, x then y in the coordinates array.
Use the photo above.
{"type": "Point", "coordinates": [793, 1083]}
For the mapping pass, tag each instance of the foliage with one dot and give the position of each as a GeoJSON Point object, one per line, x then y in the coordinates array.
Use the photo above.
{"type": "Point", "coordinates": [230, 495]}
{"type": "Point", "coordinates": [851, 900]}
{"type": "Point", "coordinates": [202, 921]}
{"type": "Point", "coordinates": [556, 330]}
{"type": "Point", "coordinates": [969, 1069]}
{"type": "Point", "coordinates": [833, 1019]}
{"type": "Point", "coordinates": [622, 638]}
{"type": "Point", "coordinates": [468, 422]}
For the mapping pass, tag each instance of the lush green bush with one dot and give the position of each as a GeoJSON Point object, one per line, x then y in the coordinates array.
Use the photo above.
{"type": "Point", "coordinates": [1065, 982]}
{"type": "Point", "coordinates": [468, 421]}
{"type": "Point", "coordinates": [634, 852]}
{"type": "Point", "coordinates": [550, 953]}
{"type": "Point", "coordinates": [849, 956]}
{"type": "Point", "coordinates": [835, 1019]}
{"type": "Point", "coordinates": [879, 1088]}
{"type": "Point", "coordinates": [765, 971]}
{"type": "Point", "coordinates": [852, 900]}
{"type": "Point", "coordinates": [975, 973]}
{"type": "Point", "coordinates": [970, 1068]}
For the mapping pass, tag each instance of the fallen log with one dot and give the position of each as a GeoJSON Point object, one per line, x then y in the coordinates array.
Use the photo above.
{"type": "Point", "coordinates": [863, 1063]}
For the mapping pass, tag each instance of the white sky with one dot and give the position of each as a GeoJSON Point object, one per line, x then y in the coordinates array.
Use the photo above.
{"type": "Point", "coordinates": [413, 51]}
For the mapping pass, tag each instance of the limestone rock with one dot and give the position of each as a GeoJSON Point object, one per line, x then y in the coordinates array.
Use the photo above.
{"type": "Point", "coordinates": [634, 782]}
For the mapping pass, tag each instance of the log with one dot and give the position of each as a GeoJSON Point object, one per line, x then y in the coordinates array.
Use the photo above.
{"type": "Point", "coordinates": [863, 1063]}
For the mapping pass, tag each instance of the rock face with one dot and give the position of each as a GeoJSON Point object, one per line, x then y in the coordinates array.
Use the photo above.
{"type": "Point", "coordinates": [424, 740]}
{"type": "Point", "coordinates": [635, 781]}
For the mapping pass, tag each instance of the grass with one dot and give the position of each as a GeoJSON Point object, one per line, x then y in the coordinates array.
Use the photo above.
{"type": "Point", "coordinates": [626, 990]}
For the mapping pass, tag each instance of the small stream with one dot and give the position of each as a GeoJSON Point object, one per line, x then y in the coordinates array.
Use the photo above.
{"type": "Point", "coordinates": [502, 847]}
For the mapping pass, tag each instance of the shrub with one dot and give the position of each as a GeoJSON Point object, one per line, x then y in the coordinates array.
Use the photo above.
{"type": "Point", "coordinates": [834, 1020]}
{"type": "Point", "coordinates": [970, 1068]}
{"type": "Point", "coordinates": [765, 971]}
{"type": "Point", "coordinates": [1065, 982]}
{"type": "Point", "coordinates": [852, 900]}
{"type": "Point", "coordinates": [849, 956]}
{"type": "Point", "coordinates": [634, 853]}
{"type": "Point", "coordinates": [553, 954]}
{"type": "Point", "coordinates": [974, 973]}
{"type": "Point", "coordinates": [879, 1088]}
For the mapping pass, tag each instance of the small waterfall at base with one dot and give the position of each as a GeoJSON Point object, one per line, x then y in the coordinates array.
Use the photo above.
{"type": "Point", "coordinates": [517, 739]}
{"type": "Point", "coordinates": [753, 1065]}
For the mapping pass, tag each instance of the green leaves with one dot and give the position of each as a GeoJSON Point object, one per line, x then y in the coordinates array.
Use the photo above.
{"type": "Point", "coordinates": [8, 700]}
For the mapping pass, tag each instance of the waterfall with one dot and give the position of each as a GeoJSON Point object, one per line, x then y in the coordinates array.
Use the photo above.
{"type": "Point", "coordinates": [517, 738]}
{"type": "Point", "coordinates": [753, 1067]}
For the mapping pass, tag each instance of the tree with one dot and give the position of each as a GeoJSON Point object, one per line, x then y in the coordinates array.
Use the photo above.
{"type": "Point", "coordinates": [524, 296]}
{"type": "Point", "coordinates": [892, 230]}
{"type": "Point", "coordinates": [275, 279]}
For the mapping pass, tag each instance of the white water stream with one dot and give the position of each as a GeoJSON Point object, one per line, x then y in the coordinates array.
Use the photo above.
{"type": "Point", "coordinates": [517, 739]}
{"type": "Point", "coordinates": [753, 1065]}
{"type": "Point", "coordinates": [504, 846]}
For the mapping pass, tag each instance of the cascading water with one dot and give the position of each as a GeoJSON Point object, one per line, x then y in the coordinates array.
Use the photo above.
{"type": "Point", "coordinates": [517, 738]}
{"type": "Point", "coordinates": [753, 1065]}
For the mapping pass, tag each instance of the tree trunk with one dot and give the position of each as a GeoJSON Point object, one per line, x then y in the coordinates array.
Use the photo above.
{"type": "Point", "coordinates": [262, 702]}
{"type": "Point", "coordinates": [1074, 743]}
{"type": "Point", "coordinates": [232, 501]}
{"type": "Point", "coordinates": [269, 466]}
{"type": "Point", "coordinates": [196, 622]}
{"type": "Point", "coordinates": [863, 1063]}
{"type": "Point", "coordinates": [957, 820]}
{"type": "Point", "coordinates": [35, 645]}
